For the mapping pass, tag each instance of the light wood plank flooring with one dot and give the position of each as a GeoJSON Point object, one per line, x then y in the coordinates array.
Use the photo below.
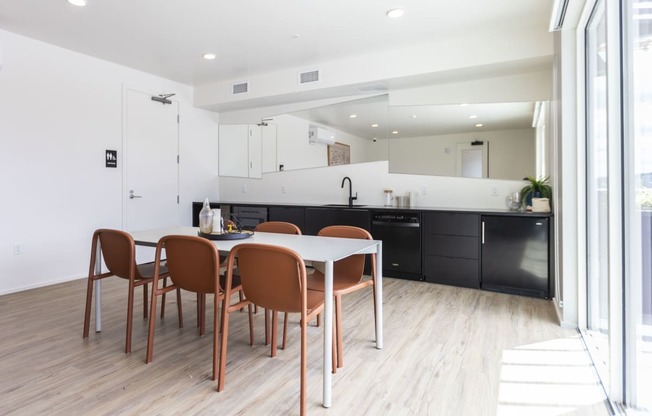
{"type": "Point", "coordinates": [447, 351]}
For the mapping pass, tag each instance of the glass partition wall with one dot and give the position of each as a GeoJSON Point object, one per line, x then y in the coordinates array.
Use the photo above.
{"type": "Point", "coordinates": [618, 63]}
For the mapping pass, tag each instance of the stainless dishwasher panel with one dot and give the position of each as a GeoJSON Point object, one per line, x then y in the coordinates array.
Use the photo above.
{"type": "Point", "coordinates": [401, 236]}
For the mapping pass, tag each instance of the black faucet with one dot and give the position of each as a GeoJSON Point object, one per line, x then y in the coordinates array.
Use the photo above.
{"type": "Point", "coordinates": [351, 197]}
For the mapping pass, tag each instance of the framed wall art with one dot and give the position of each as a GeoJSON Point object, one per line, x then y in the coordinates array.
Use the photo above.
{"type": "Point", "coordinates": [339, 154]}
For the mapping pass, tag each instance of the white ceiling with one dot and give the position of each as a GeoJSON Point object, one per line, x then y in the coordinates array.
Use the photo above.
{"type": "Point", "coordinates": [250, 37]}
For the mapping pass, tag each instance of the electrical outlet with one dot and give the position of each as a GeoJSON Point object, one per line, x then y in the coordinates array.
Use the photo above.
{"type": "Point", "coordinates": [494, 191]}
{"type": "Point", "coordinates": [284, 189]}
{"type": "Point", "coordinates": [424, 190]}
{"type": "Point", "coordinates": [18, 249]}
{"type": "Point", "coordinates": [243, 188]}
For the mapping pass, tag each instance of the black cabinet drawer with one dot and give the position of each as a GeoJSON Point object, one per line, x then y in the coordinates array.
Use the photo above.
{"type": "Point", "coordinates": [318, 218]}
{"type": "Point", "coordinates": [452, 246]}
{"type": "Point", "coordinates": [294, 215]}
{"type": "Point", "coordinates": [451, 223]}
{"type": "Point", "coordinates": [452, 271]}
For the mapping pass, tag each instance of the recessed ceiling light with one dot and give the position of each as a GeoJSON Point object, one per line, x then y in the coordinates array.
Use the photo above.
{"type": "Point", "coordinates": [393, 13]}
{"type": "Point", "coordinates": [77, 2]}
{"type": "Point", "coordinates": [395, 132]}
{"type": "Point", "coordinates": [473, 116]}
{"type": "Point", "coordinates": [479, 125]}
{"type": "Point", "coordinates": [414, 116]}
{"type": "Point", "coordinates": [463, 105]}
{"type": "Point", "coordinates": [210, 56]}
{"type": "Point", "coordinates": [374, 125]}
{"type": "Point", "coordinates": [353, 115]}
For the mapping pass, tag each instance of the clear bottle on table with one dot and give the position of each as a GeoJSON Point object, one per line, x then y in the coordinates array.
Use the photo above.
{"type": "Point", "coordinates": [206, 218]}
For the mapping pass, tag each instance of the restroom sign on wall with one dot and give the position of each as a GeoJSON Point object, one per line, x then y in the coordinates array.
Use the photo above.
{"type": "Point", "coordinates": [111, 159]}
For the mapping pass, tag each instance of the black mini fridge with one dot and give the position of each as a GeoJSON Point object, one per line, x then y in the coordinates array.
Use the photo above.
{"type": "Point", "coordinates": [516, 255]}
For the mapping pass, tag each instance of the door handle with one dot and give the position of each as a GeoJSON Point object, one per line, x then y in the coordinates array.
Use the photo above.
{"type": "Point", "coordinates": [132, 196]}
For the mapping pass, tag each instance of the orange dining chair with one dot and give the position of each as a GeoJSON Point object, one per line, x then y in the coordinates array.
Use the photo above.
{"type": "Point", "coordinates": [279, 227]}
{"type": "Point", "coordinates": [273, 277]}
{"type": "Point", "coordinates": [347, 277]}
{"type": "Point", "coordinates": [119, 252]}
{"type": "Point", "coordinates": [194, 265]}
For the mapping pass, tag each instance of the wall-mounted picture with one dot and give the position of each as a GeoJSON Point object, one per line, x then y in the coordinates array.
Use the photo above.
{"type": "Point", "coordinates": [339, 154]}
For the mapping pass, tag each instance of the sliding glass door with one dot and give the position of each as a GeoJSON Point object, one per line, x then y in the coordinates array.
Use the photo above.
{"type": "Point", "coordinates": [597, 186]}
{"type": "Point", "coordinates": [637, 171]}
{"type": "Point", "coordinates": [618, 61]}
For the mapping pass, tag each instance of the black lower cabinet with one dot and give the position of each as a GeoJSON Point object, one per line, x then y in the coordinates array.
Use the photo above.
{"type": "Point", "coordinates": [318, 218]}
{"type": "Point", "coordinates": [294, 215]}
{"type": "Point", "coordinates": [451, 249]}
{"type": "Point", "coordinates": [516, 254]}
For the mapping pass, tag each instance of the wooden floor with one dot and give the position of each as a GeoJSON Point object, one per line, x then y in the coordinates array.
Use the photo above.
{"type": "Point", "coordinates": [447, 351]}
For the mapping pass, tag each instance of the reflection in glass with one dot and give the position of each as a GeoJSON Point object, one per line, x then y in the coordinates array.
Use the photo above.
{"type": "Point", "coordinates": [426, 139]}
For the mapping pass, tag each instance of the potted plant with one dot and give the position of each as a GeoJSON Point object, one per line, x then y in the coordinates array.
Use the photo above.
{"type": "Point", "coordinates": [537, 188]}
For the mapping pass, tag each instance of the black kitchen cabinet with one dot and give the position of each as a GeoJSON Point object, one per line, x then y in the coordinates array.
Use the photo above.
{"type": "Point", "coordinates": [318, 218]}
{"type": "Point", "coordinates": [294, 215]}
{"type": "Point", "coordinates": [451, 244]}
{"type": "Point", "coordinates": [516, 255]}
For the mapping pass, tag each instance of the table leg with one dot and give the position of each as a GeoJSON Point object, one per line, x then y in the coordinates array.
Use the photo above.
{"type": "Point", "coordinates": [98, 290]}
{"type": "Point", "coordinates": [379, 296]}
{"type": "Point", "coordinates": [328, 332]}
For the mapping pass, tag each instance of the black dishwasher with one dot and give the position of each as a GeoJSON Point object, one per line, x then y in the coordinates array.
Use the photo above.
{"type": "Point", "coordinates": [401, 236]}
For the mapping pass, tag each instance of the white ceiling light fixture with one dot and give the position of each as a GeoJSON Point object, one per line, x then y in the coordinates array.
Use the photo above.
{"type": "Point", "coordinates": [473, 116]}
{"type": "Point", "coordinates": [210, 56]}
{"type": "Point", "coordinates": [79, 3]}
{"type": "Point", "coordinates": [374, 125]}
{"type": "Point", "coordinates": [479, 125]}
{"type": "Point", "coordinates": [395, 132]}
{"type": "Point", "coordinates": [394, 13]}
{"type": "Point", "coordinates": [353, 115]}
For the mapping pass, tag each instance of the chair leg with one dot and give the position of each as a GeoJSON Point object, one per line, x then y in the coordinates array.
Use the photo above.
{"type": "Point", "coordinates": [266, 327]}
{"type": "Point", "coordinates": [338, 330]}
{"type": "Point", "coordinates": [179, 308]}
{"type": "Point", "coordinates": [274, 332]}
{"type": "Point", "coordinates": [216, 307]}
{"type": "Point", "coordinates": [304, 341]}
{"type": "Point", "coordinates": [221, 376]}
{"type": "Point", "coordinates": [87, 311]}
{"type": "Point", "coordinates": [165, 283]}
{"type": "Point", "coordinates": [130, 316]}
{"type": "Point", "coordinates": [145, 293]}
{"type": "Point", "coordinates": [285, 329]}
{"type": "Point", "coordinates": [152, 322]}
{"type": "Point", "coordinates": [251, 325]}
{"type": "Point", "coordinates": [202, 314]}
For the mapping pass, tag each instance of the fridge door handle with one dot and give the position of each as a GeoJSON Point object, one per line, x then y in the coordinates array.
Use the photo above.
{"type": "Point", "coordinates": [482, 232]}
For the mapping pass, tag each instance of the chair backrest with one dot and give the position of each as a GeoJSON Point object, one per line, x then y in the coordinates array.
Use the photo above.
{"type": "Point", "coordinates": [273, 277]}
{"type": "Point", "coordinates": [349, 269]}
{"type": "Point", "coordinates": [118, 250]}
{"type": "Point", "coordinates": [192, 262]}
{"type": "Point", "coordinates": [278, 227]}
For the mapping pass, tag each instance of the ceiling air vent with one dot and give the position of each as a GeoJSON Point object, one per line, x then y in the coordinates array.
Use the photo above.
{"type": "Point", "coordinates": [308, 77]}
{"type": "Point", "coordinates": [240, 88]}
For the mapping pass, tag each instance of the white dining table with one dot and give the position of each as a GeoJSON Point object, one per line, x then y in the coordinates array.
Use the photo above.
{"type": "Point", "coordinates": [311, 248]}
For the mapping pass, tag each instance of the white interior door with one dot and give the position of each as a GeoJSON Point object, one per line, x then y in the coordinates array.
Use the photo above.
{"type": "Point", "coordinates": [472, 160]}
{"type": "Point", "coordinates": [151, 164]}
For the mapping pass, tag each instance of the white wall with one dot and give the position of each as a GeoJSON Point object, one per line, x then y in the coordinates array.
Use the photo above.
{"type": "Point", "coordinates": [59, 111]}
{"type": "Point", "coordinates": [322, 186]}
